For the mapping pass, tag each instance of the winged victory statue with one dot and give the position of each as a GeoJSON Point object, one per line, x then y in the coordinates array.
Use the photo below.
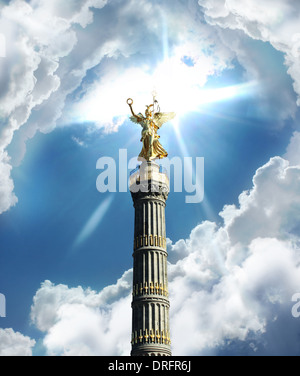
{"type": "Point", "coordinates": [151, 123]}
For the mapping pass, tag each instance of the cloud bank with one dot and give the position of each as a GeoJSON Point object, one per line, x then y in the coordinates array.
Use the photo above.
{"type": "Point", "coordinates": [15, 344]}
{"type": "Point", "coordinates": [79, 321]}
{"type": "Point", "coordinates": [38, 36]}
{"type": "Point", "coordinates": [276, 23]}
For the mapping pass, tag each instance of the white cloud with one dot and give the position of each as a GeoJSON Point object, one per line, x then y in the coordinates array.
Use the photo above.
{"type": "Point", "coordinates": [81, 330]}
{"type": "Point", "coordinates": [274, 94]}
{"type": "Point", "coordinates": [80, 321]}
{"type": "Point", "coordinates": [38, 36]}
{"type": "Point", "coordinates": [15, 344]}
{"type": "Point", "coordinates": [232, 305]}
{"type": "Point", "coordinates": [78, 141]}
{"type": "Point", "coordinates": [271, 208]}
{"type": "Point", "coordinates": [276, 23]}
{"type": "Point", "coordinates": [7, 197]}
{"type": "Point", "coordinates": [293, 150]}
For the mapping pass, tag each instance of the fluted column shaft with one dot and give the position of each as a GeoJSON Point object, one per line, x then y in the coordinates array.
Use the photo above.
{"type": "Point", "coordinates": [150, 303]}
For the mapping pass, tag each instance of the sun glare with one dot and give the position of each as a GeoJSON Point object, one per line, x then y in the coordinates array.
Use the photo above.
{"type": "Point", "coordinates": [181, 87]}
{"type": "Point", "coordinates": [179, 82]}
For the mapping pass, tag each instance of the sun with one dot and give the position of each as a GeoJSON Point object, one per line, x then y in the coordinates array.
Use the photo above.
{"type": "Point", "coordinates": [180, 85]}
{"type": "Point", "coordinates": [179, 82]}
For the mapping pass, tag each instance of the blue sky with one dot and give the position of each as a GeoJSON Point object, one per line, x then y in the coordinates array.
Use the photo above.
{"type": "Point", "coordinates": [231, 73]}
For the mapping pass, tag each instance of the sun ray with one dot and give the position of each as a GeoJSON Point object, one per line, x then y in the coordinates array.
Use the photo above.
{"type": "Point", "coordinates": [93, 222]}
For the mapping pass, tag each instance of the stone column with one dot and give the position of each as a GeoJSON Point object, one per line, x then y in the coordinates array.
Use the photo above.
{"type": "Point", "coordinates": [150, 303]}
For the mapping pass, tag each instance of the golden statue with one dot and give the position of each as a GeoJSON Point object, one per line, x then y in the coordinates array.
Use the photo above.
{"type": "Point", "coordinates": [150, 123]}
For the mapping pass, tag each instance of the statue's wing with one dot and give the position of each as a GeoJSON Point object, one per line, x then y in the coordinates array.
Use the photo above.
{"type": "Point", "coordinates": [162, 117]}
{"type": "Point", "coordinates": [137, 119]}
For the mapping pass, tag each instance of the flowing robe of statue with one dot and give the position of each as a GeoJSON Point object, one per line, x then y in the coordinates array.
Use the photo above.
{"type": "Point", "coordinates": [152, 148]}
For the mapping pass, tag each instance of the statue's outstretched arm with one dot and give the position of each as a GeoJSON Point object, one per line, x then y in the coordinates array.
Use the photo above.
{"type": "Point", "coordinates": [130, 102]}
